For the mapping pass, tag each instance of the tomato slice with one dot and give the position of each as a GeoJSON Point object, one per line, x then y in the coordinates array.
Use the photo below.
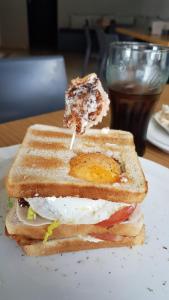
{"type": "Point", "coordinates": [119, 216]}
{"type": "Point", "coordinates": [106, 236]}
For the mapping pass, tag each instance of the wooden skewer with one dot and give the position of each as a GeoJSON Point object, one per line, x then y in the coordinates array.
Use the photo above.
{"type": "Point", "coordinates": [72, 140]}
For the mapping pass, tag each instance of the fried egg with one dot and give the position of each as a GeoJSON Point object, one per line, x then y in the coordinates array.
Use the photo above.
{"type": "Point", "coordinates": [74, 210]}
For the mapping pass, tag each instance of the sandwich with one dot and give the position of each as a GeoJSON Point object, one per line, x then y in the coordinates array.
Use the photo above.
{"type": "Point", "coordinates": [86, 196]}
{"type": "Point", "coordinates": [65, 200]}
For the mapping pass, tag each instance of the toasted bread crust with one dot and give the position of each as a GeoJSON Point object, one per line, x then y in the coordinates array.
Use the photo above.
{"type": "Point", "coordinates": [38, 248]}
{"type": "Point", "coordinates": [29, 190]}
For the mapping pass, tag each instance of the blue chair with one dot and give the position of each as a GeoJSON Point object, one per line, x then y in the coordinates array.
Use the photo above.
{"type": "Point", "coordinates": [31, 86]}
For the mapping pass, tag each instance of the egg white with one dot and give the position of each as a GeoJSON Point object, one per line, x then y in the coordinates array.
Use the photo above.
{"type": "Point", "coordinates": [74, 210]}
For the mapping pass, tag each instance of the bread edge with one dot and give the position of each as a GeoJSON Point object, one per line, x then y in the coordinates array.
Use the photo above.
{"type": "Point", "coordinates": [48, 190]}
{"type": "Point", "coordinates": [34, 248]}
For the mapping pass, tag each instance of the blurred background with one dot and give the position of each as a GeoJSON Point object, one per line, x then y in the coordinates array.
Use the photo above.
{"type": "Point", "coordinates": [79, 30]}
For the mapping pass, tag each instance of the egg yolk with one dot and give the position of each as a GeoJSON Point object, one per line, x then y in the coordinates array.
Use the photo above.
{"type": "Point", "coordinates": [95, 167]}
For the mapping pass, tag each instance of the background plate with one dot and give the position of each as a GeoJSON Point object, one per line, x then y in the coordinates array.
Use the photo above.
{"type": "Point", "coordinates": [138, 273]}
{"type": "Point", "coordinates": [158, 136]}
{"type": "Point", "coordinates": [157, 118]}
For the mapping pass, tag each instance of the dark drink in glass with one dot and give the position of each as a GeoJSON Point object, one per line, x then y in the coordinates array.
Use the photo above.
{"type": "Point", "coordinates": [135, 76]}
{"type": "Point", "coordinates": [131, 109]}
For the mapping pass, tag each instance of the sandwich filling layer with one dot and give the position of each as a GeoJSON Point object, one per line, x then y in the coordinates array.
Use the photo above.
{"type": "Point", "coordinates": [73, 210]}
{"type": "Point", "coordinates": [40, 228]}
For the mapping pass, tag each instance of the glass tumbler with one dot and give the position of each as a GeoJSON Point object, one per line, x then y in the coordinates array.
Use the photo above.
{"type": "Point", "coordinates": [135, 74]}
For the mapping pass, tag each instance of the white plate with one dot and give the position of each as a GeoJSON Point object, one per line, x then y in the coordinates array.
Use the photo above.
{"type": "Point", "coordinates": [121, 274]}
{"type": "Point", "coordinates": [158, 136]}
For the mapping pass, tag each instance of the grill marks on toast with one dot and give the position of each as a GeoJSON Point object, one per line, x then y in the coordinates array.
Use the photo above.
{"type": "Point", "coordinates": [107, 139]}
{"type": "Point", "coordinates": [47, 133]}
{"type": "Point", "coordinates": [31, 161]}
{"type": "Point", "coordinates": [46, 145]}
{"type": "Point", "coordinates": [44, 159]}
{"type": "Point", "coordinates": [41, 155]}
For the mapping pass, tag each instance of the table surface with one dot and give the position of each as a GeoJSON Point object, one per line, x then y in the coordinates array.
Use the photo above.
{"type": "Point", "coordinates": [13, 132]}
{"type": "Point", "coordinates": [143, 36]}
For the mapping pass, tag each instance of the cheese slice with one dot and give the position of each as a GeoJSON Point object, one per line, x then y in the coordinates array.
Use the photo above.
{"type": "Point", "coordinates": [21, 213]}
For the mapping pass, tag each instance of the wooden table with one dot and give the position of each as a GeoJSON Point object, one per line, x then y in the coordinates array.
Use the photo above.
{"type": "Point", "coordinates": [141, 35]}
{"type": "Point", "coordinates": [13, 132]}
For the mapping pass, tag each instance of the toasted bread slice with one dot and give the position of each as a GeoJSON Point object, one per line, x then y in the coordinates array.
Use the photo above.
{"type": "Point", "coordinates": [42, 166]}
{"type": "Point", "coordinates": [38, 248]}
{"type": "Point", "coordinates": [15, 227]}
